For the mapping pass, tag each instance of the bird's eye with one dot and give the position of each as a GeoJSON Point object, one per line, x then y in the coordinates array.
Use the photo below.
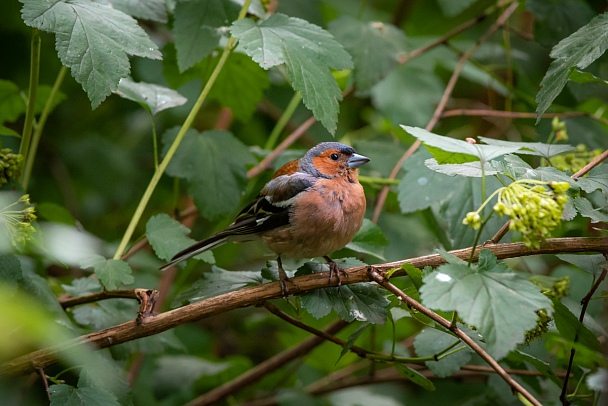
{"type": "Point", "coordinates": [334, 157]}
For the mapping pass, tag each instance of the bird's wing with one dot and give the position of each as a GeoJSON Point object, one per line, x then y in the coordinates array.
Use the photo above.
{"type": "Point", "coordinates": [268, 211]}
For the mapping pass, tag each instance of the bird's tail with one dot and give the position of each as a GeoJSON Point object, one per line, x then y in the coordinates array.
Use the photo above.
{"type": "Point", "coordinates": [195, 249]}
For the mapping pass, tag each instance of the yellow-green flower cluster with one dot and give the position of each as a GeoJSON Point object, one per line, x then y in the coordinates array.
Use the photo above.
{"type": "Point", "coordinates": [535, 208]}
{"type": "Point", "coordinates": [575, 161]}
{"type": "Point", "coordinates": [557, 290]}
{"type": "Point", "coordinates": [17, 218]}
{"type": "Point", "coordinates": [10, 165]}
{"type": "Point", "coordinates": [558, 128]}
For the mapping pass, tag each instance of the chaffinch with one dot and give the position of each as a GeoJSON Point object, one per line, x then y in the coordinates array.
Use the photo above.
{"type": "Point", "coordinates": [311, 207]}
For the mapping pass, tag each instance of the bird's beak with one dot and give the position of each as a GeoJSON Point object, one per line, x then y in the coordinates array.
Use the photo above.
{"type": "Point", "coordinates": [357, 160]}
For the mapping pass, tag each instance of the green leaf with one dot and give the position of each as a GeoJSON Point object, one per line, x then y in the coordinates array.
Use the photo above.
{"type": "Point", "coordinates": [531, 148]}
{"type": "Point", "coordinates": [584, 207]}
{"type": "Point", "coordinates": [111, 272]}
{"type": "Point", "coordinates": [67, 395]}
{"type": "Point", "coordinates": [589, 263]}
{"type": "Point", "coordinates": [596, 179]}
{"type": "Point", "coordinates": [458, 148]}
{"type": "Point", "coordinates": [182, 371]}
{"type": "Point", "coordinates": [578, 50]}
{"type": "Point", "coordinates": [214, 164]}
{"type": "Point", "coordinates": [542, 367]}
{"type": "Point", "coordinates": [431, 341]}
{"type": "Point", "coordinates": [501, 304]}
{"type": "Point", "coordinates": [353, 338]}
{"type": "Point", "coordinates": [586, 77]}
{"type": "Point", "coordinates": [91, 39]}
{"type": "Point", "coordinates": [369, 240]}
{"type": "Point", "coordinates": [101, 372]}
{"type": "Point", "coordinates": [199, 25]}
{"type": "Point", "coordinates": [239, 73]}
{"type": "Point", "coordinates": [218, 282]}
{"type": "Point", "coordinates": [55, 213]}
{"type": "Point", "coordinates": [421, 187]}
{"type": "Point", "coordinates": [452, 8]}
{"type": "Point", "coordinates": [468, 169]}
{"type": "Point", "coordinates": [358, 301]}
{"type": "Point", "coordinates": [82, 286]}
{"type": "Point", "coordinates": [10, 272]}
{"type": "Point", "coordinates": [307, 51]}
{"type": "Point", "coordinates": [155, 98]}
{"type": "Point", "coordinates": [153, 10]}
{"type": "Point", "coordinates": [12, 104]}
{"type": "Point", "coordinates": [570, 327]}
{"type": "Point", "coordinates": [414, 376]}
{"type": "Point", "coordinates": [414, 273]}
{"type": "Point", "coordinates": [167, 237]}
{"type": "Point", "coordinates": [374, 46]}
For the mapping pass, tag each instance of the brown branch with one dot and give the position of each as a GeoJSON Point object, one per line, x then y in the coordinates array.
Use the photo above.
{"type": "Point", "coordinates": [584, 302]}
{"type": "Point", "coordinates": [266, 367]}
{"type": "Point", "coordinates": [130, 330]}
{"type": "Point", "coordinates": [515, 114]}
{"type": "Point", "coordinates": [444, 100]}
{"type": "Point", "coordinates": [381, 280]}
{"type": "Point", "coordinates": [68, 301]}
{"type": "Point", "coordinates": [265, 164]}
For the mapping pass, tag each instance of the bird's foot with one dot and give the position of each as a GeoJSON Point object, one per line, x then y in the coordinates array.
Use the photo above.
{"type": "Point", "coordinates": [335, 269]}
{"type": "Point", "coordinates": [283, 279]}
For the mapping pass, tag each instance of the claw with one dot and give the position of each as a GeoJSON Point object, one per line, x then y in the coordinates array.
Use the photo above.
{"type": "Point", "coordinates": [334, 269]}
{"type": "Point", "coordinates": [283, 279]}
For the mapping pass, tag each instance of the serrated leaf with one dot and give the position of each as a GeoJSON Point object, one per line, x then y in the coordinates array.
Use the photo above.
{"type": "Point", "coordinates": [570, 327]}
{"type": "Point", "coordinates": [359, 301]}
{"type": "Point", "coordinates": [414, 273]}
{"type": "Point", "coordinates": [414, 376]}
{"type": "Point", "coordinates": [307, 51]}
{"type": "Point", "coordinates": [239, 73]}
{"type": "Point", "coordinates": [111, 272]}
{"type": "Point", "coordinates": [420, 187]}
{"type": "Point", "coordinates": [91, 39]}
{"type": "Point", "coordinates": [374, 46]}
{"type": "Point", "coordinates": [596, 179]}
{"type": "Point", "coordinates": [214, 164]}
{"type": "Point", "coordinates": [67, 395]}
{"type": "Point", "coordinates": [82, 286]}
{"type": "Point", "coordinates": [502, 305]}
{"type": "Point", "coordinates": [469, 169]}
{"type": "Point", "coordinates": [369, 240]}
{"type": "Point", "coordinates": [584, 207]}
{"type": "Point", "coordinates": [199, 25]}
{"type": "Point", "coordinates": [153, 10]}
{"type": "Point", "coordinates": [431, 341]}
{"type": "Point", "coordinates": [167, 237]}
{"type": "Point", "coordinates": [589, 263]}
{"type": "Point", "coordinates": [182, 371]}
{"type": "Point", "coordinates": [10, 272]}
{"type": "Point", "coordinates": [541, 366]}
{"type": "Point", "coordinates": [100, 371]}
{"type": "Point", "coordinates": [218, 282]}
{"type": "Point", "coordinates": [577, 50]}
{"type": "Point", "coordinates": [484, 153]}
{"type": "Point", "coordinates": [155, 98]}
{"type": "Point", "coordinates": [531, 148]}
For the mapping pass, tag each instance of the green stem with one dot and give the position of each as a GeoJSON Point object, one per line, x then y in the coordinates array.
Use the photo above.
{"type": "Point", "coordinates": [180, 135]}
{"type": "Point", "coordinates": [435, 357]}
{"type": "Point", "coordinates": [31, 97]}
{"type": "Point", "coordinates": [378, 181]}
{"type": "Point", "coordinates": [283, 120]}
{"type": "Point", "coordinates": [48, 107]}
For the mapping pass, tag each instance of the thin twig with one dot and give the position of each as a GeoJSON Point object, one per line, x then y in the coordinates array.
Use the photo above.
{"type": "Point", "coordinates": [45, 381]}
{"type": "Point", "coordinates": [265, 164]}
{"type": "Point", "coordinates": [68, 301]}
{"type": "Point", "coordinates": [263, 369]}
{"type": "Point", "coordinates": [381, 280]}
{"type": "Point", "coordinates": [444, 100]}
{"type": "Point", "coordinates": [584, 302]}
{"type": "Point", "coordinates": [515, 114]}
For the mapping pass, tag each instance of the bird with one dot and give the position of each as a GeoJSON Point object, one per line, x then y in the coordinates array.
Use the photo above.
{"type": "Point", "coordinates": [311, 207]}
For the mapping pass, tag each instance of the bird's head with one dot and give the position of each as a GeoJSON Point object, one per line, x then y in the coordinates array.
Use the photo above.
{"type": "Point", "coordinates": [332, 159]}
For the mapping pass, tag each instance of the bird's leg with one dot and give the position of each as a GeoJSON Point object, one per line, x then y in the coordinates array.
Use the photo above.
{"type": "Point", "coordinates": [283, 279]}
{"type": "Point", "coordinates": [334, 269]}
